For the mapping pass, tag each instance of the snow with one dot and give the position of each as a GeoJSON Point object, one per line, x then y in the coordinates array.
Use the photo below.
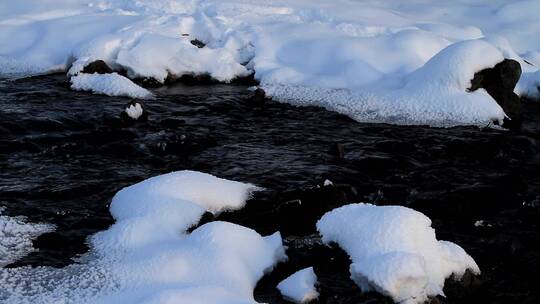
{"type": "Point", "coordinates": [16, 237]}
{"type": "Point", "coordinates": [134, 111]}
{"type": "Point", "coordinates": [147, 255]}
{"type": "Point", "coordinates": [366, 54]}
{"type": "Point", "coordinates": [394, 250]}
{"type": "Point", "coordinates": [300, 286]}
{"type": "Point", "coordinates": [109, 84]}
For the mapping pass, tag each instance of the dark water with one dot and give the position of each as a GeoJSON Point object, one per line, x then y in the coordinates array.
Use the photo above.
{"type": "Point", "coordinates": [64, 154]}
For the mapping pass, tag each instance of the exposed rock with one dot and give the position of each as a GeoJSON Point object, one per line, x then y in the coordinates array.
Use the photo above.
{"type": "Point", "coordinates": [338, 151]}
{"type": "Point", "coordinates": [500, 82]}
{"type": "Point", "coordinates": [198, 43]}
{"type": "Point", "coordinates": [98, 66]}
{"type": "Point", "coordinates": [259, 97]}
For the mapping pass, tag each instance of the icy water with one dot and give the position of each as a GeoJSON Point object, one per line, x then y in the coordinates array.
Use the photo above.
{"type": "Point", "coordinates": [64, 154]}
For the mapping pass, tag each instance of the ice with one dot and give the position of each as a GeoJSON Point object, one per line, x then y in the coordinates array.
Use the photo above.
{"type": "Point", "coordinates": [305, 52]}
{"type": "Point", "coordinates": [394, 250]}
{"type": "Point", "coordinates": [109, 84]}
{"type": "Point", "coordinates": [148, 256]}
{"type": "Point", "coordinates": [300, 286]}
{"type": "Point", "coordinates": [16, 237]}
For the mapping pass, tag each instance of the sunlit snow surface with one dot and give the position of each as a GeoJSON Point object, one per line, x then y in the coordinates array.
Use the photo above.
{"type": "Point", "coordinates": [355, 57]}
{"type": "Point", "coordinates": [148, 257]}
{"type": "Point", "coordinates": [394, 250]}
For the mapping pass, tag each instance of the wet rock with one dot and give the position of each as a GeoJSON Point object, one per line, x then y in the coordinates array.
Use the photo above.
{"type": "Point", "coordinates": [148, 82]}
{"type": "Point", "coordinates": [500, 82]}
{"type": "Point", "coordinates": [259, 97]}
{"type": "Point", "coordinates": [98, 66]}
{"type": "Point", "coordinates": [338, 150]}
{"type": "Point", "coordinates": [134, 111]}
{"type": "Point", "coordinates": [291, 213]}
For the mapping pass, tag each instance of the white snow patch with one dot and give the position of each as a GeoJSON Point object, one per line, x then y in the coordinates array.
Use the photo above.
{"type": "Point", "coordinates": [394, 250]}
{"type": "Point", "coordinates": [16, 237]}
{"type": "Point", "coordinates": [300, 286]}
{"type": "Point", "coordinates": [108, 84]}
{"type": "Point", "coordinates": [134, 111]}
{"type": "Point", "coordinates": [147, 256]}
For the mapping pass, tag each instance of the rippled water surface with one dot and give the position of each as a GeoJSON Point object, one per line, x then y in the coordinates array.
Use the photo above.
{"type": "Point", "coordinates": [64, 154]}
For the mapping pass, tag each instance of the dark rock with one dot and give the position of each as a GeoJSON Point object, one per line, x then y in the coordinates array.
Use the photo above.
{"type": "Point", "coordinates": [259, 97]}
{"type": "Point", "coordinates": [198, 43]}
{"type": "Point", "coordinates": [98, 66]}
{"type": "Point", "coordinates": [134, 111]}
{"type": "Point", "coordinates": [500, 82]}
{"type": "Point", "coordinates": [338, 151]}
{"type": "Point", "coordinates": [148, 82]}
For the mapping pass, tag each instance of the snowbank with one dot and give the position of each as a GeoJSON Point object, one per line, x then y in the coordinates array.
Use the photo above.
{"type": "Point", "coordinates": [394, 250]}
{"type": "Point", "coordinates": [300, 286]}
{"type": "Point", "coordinates": [16, 237]}
{"type": "Point", "coordinates": [307, 52]}
{"type": "Point", "coordinates": [148, 257]}
{"type": "Point", "coordinates": [434, 94]}
{"type": "Point", "coordinates": [108, 84]}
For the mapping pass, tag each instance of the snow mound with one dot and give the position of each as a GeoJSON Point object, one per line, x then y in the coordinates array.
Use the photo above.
{"type": "Point", "coordinates": [158, 56]}
{"type": "Point", "coordinates": [394, 250]}
{"type": "Point", "coordinates": [16, 237]}
{"type": "Point", "coordinates": [434, 94]}
{"type": "Point", "coordinates": [300, 286]}
{"type": "Point", "coordinates": [161, 207]}
{"type": "Point", "coordinates": [147, 256]}
{"type": "Point", "coordinates": [108, 84]}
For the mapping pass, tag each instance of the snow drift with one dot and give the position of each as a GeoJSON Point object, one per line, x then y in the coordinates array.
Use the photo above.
{"type": "Point", "coordinates": [394, 250]}
{"type": "Point", "coordinates": [147, 256]}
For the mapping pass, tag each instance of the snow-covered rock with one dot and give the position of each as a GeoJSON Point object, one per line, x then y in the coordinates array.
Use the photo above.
{"type": "Point", "coordinates": [300, 286]}
{"type": "Point", "coordinates": [394, 250]}
{"type": "Point", "coordinates": [134, 110]}
{"type": "Point", "coordinates": [16, 237]}
{"type": "Point", "coordinates": [148, 256]}
{"type": "Point", "coordinates": [109, 84]}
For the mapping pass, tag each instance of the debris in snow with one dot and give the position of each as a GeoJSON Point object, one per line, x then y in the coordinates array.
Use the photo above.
{"type": "Point", "coordinates": [98, 66]}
